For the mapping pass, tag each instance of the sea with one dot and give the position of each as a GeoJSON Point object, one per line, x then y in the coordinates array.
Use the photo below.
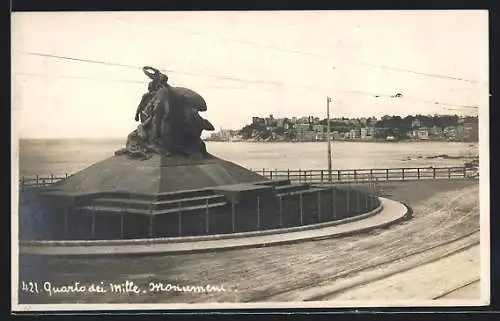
{"type": "Point", "coordinates": [45, 157]}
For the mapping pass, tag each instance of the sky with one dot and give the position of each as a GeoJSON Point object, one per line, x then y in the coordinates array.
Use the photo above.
{"type": "Point", "coordinates": [244, 64]}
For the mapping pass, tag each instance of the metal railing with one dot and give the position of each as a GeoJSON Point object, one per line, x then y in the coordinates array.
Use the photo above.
{"type": "Point", "coordinates": [365, 175]}
{"type": "Point", "coordinates": [322, 176]}
{"type": "Point", "coordinates": [290, 209]}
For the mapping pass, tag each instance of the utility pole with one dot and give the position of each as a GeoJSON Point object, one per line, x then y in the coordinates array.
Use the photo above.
{"type": "Point", "coordinates": [328, 100]}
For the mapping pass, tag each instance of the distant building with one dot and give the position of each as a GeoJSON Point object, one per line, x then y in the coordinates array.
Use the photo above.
{"type": "Point", "coordinates": [225, 134]}
{"type": "Point", "coordinates": [318, 128]}
{"type": "Point", "coordinates": [436, 131]}
{"type": "Point", "coordinates": [258, 121]}
{"type": "Point", "coordinates": [468, 131]}
{"type": "Point", "coordinates": [450, 132]}
{"type": "Point", "coordinates": [380, 132]}
{"type": "Point", "coordinates": [303, 120]}
{"type": "Point", "coordinates": [355, 133]}
{"type": "Point", "coordinates": [415, 123]}
{"type": "Point", "coordinates": [270, 121]}
{"type": "Point", "coordinates": [423, 133]}
{"type": "Point", "coordinates": [303, 131]}
{"type": "Point", "coordinates": [363, 132]}
{"type": "Point", "coordinates": [366, 132]}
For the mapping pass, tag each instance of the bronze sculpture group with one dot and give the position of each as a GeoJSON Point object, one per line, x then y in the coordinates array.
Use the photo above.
{"type": "Point", "coordinates": [170, 123]}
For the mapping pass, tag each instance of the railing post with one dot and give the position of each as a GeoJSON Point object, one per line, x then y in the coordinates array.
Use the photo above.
{"type": "Point", "coordinates": [369, 195]}
{"type": "Point", "coordinates": [319, 206]}
{"type": "Point", "coordinates": [271, 174]}
{"type": "Point", "coordinates": [150, 225]}
{"type": "Point", "coordinates": [371, 174]}
{"type": "Point", "coordinates": [434, 172]}
{"type": "Point", "coordinates": [366, 200]}
{"type": "Point", "coordinates": [355, 176]}
{"type": "Point", "coordinates": [280, 211]}
{"type": "Point", "coordinates": [465, 171]}
{"type": "Point", "coordinates": [92, 228]}
{"type": "Point", "coordinates": [321, 176]}
{"type": "Point", "coordinates": [66, 175]}
{"type": "Point", "coordinates": [179, 220]}
{"type": "Point", "coordinates": [51, 178]}
{"type": "Point", "coordinates": [233, 216]}
{"type": "Point", "coordinates": [333, 203]}
{"type": "Point", "coordinates": [22, 183]}
{"type": "Point", "coordinates": [122, 218]}
{"type": "Point", "coordinates": [36, 180]}
{"type": "Point", "coordinates": [358, 205]}
{"type": "Point", "coordinates": [258, 213]}
{"type": "Point", "coordinates": [207, 218]}
{"type": "Point", "coordinates": [449, 173]}
{"type": "Point", "coordinates": [300, 176]}
{"type": "Point", "coordinates": [301, 209]}
{"type": "Point", "coordinates": [121, 225]}
{"type": "Point", "coordinates": [338, 175]}
{"type": "Point", "coordinates": [288, 174]}
{"type": "Point", "coordinates": [386, 174]}
{"type": "Point", "coordinates": [403, 174]}
{"type": "Point", "coordinates": [348, 203]}
{"type": "Point", "coordinates": [418, 173]}
{"type": "Point", "coordinates": [66, 221]}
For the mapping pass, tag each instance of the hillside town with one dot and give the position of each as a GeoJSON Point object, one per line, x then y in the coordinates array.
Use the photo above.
{"type": "Point", "coordinates": [388, 128]}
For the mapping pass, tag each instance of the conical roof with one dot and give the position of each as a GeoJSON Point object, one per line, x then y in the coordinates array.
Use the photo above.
{"type": "Point", "coordinates": [158, 174]}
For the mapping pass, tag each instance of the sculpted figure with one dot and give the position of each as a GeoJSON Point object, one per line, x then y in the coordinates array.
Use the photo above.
{"type": "Point", "coordinates": [170, 120]}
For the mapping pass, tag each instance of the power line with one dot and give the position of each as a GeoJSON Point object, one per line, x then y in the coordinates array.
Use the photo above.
{"type": "Point", "coordinates": [107, 79]}
{"type": "Point", "coordinates": [318, 89]}
{"type": "Point", "coordinates": [79, 77]}
{"type": "Point", "coordinates": [299, 52]}
{"type": "Point", "coordinates": [418, 72]}
{"type": "Point", "coordinates": [139, 67]}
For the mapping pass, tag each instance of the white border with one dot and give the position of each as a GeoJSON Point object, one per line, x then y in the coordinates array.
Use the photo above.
{"type": "Point", "coordinates": [484, 186]}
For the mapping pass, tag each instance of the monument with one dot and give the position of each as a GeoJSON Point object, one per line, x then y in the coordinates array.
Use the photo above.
{"type": "Point", "coordinates": [170, 121]}
{"type": "Point", "coordinates": [164, 183]}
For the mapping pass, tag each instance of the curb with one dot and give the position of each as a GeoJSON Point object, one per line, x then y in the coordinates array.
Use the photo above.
{"type": "Point", "coordinates": [389, 212]}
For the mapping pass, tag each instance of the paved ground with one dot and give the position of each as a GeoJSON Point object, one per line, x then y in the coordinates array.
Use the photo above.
{"type": "Point", "coordinates": [383, 264]}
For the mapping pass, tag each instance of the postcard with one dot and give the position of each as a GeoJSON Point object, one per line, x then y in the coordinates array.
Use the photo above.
{"type": "Point", "coordinates": [231, 159]}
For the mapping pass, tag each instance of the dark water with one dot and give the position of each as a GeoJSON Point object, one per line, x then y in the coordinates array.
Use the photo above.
{"type": "Point", "coordinates": [45, 157]}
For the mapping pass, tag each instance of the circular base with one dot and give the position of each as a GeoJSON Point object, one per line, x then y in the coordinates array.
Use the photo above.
{"type": "Point", "coordinates": [387, 213]}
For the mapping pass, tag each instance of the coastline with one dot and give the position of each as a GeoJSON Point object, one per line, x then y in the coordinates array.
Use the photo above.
{"type": "Point", "coordinates": [343, 141]}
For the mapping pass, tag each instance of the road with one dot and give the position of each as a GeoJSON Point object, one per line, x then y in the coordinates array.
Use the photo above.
{"type": "Point", "coordinates": [437, 250]}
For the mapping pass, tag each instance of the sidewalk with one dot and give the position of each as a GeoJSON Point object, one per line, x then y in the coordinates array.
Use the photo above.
{"type": "Point", "coordinates": [391, 212]}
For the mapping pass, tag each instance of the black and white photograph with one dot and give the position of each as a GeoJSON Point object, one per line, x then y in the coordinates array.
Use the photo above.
{"type": "Point", "coordinates": [178, 160]}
